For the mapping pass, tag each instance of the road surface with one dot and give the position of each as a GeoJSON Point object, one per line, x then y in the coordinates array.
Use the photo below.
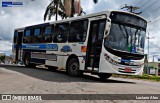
{"type": "Point", "coordinates": [21, 80]}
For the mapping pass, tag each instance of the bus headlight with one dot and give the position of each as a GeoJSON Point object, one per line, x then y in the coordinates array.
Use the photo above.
{"type": "Point", "coordinates": [110, 60]}
{"type": "Point", "coordinates": [106, 56]}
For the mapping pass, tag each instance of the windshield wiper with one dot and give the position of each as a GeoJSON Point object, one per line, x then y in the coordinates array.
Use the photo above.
{"type": "Point", "coordinates": [122, 31]}
{"type": "Point", "coordinates": [138, 36]}
{"type": "Point", "coordinates": [126, 33]}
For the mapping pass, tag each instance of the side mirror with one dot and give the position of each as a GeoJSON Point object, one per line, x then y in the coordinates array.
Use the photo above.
{"type": "Point", "coordinates": [106, 32]}
{"type": "Point", "coordinates": [106, 37]}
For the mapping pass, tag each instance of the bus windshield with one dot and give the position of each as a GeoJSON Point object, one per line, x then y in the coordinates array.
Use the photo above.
{"type": "Point", "coordinates": [126, 37]}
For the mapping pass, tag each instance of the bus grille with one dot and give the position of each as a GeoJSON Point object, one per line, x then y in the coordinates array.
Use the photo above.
{"type": "Point", "coordinates": [122, 70]}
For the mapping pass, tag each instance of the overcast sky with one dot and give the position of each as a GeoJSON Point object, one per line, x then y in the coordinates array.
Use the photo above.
{"type": "Point", "coordinates": [32, 12]}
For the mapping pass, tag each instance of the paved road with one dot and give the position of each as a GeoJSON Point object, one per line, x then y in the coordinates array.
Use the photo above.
{"type": "Point", "coordinates": [22, 80]}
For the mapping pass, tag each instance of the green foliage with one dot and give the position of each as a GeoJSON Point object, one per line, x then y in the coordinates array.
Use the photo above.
{"type": "Point", "coordinates": [56, 7]}
{"type": "Point", "coordinates": [144, 76]}
{"type": "Point", "coordinates": [95, 1]}
{"type": "Point", "coordinates": [2, 58]}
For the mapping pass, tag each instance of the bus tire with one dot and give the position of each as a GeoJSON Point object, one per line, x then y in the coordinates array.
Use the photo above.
{"type": "Point", "coordinates": [27, 61]}
{"type": "Point", "coordinates": [73, 68]}
{"type": "Point", "coordinates": [104, 76]}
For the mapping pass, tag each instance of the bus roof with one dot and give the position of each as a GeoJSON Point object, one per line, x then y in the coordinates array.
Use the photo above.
{"type": "Point", "coordinates": [107, 13]}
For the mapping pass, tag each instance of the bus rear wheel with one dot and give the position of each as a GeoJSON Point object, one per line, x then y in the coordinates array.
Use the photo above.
{"type": "Point", "coordinates": [104, 76]}
{"type": "Point", "coordinates": [73, 68]}
{"type": "Point", "coordinates": [27, 61]}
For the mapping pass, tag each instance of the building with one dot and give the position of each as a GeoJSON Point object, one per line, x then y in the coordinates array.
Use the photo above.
{"type": "Point", "coordinates": [2, 54]}
{"type": "Point", "coordinates": [152, 68]}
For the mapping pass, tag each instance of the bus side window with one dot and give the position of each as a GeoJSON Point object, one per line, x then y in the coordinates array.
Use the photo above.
{"type": "Point", "coordinates": [48, 32]}
{"type": "Point", "coordinates": [27, 35]}
{"type": "Point", "coordinates": [61, 33]}
{"type": "Point", "coordinates": [37, 32]}
{"type": "Point", "coordinates": [78, 31]}
{"type": "Point", "coordinates": [36, 37]}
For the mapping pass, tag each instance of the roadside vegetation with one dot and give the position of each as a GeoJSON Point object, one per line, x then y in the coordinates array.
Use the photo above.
{"type": "Point", "coordinates": [144, 77]}
{"type": "Point", "coordinates": [2, 59]}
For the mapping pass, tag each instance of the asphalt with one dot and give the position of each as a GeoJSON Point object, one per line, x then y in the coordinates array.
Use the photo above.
{"type": "Point", "coordinates": [15, 79]}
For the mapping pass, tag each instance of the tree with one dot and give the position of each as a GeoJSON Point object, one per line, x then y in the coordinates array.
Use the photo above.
{"type": "Point", "coordinates": [95, 1]}
{"type": "Point", "coordinates": [2, 58]}
{"type": "Point", "coordinates": [56, 7]}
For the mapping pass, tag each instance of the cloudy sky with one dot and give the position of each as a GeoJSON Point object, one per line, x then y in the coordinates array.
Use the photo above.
{"type": "Point", "coordinates": [32, 12]}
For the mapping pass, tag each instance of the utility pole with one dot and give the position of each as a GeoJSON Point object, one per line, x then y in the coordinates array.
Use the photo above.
{"type": "Point", "coordinates": [148, 55]}
{"type": "Point", "coordinates": [148, 52]}
{"type": "Point", "coordinates": [131, 8]}
{"type": "Point", "coordinates": [148, 44]}
{"type": "Point", "coordinates": [154, 56]}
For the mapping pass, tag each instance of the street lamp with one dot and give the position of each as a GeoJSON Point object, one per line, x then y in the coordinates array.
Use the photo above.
{"type": "Point", "coordinates": [154, 56]}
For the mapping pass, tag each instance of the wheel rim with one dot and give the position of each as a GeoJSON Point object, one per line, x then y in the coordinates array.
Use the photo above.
{"type": "Point", "coordinates": [74, 67]}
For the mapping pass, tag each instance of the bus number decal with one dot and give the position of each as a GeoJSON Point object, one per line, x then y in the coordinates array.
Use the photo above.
{"type": "Point", "coordinates": [52, 47]}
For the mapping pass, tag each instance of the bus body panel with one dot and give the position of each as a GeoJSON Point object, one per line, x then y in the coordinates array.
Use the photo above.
{"type": "Point", "coordinates": [59, 55]}
{"type": "Point", "coordinates": [75, 49]}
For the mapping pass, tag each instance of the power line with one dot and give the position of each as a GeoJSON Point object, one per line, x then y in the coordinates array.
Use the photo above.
{"type": "Point", "coordinates": [150, 5]}
{"type": "Point", "coordinates": [139, 2]}
{"type": "Point", "coordinates": [155, 10]}
{"type": "Point", "coordinates": [152, 10]}
{"type": "Point", "coordinates": [155, 45]}
{"type": "Point", "coordinates": [155, 21]}
{"type": "Point", "coordinates": [134, 1]}
{"type": "Point", "coordinates": [145, 3]}
{"type": "Point", "coordinates": [157, 13]}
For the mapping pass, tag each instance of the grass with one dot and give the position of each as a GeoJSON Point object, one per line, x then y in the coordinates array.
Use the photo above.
{"type": "Point", "coordinates": [144, 77]}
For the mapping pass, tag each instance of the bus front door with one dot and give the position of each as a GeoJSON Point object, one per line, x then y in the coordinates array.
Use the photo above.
{"type": "Point", "coordinates": [94, 46]}
{"type": "Point", "coordinates": [19, 46]}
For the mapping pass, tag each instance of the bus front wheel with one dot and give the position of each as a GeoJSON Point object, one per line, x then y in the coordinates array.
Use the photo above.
{"type": "Point", "coordinates": [73, 68]}
{"type": "Point", "coordinates": [104, 76]}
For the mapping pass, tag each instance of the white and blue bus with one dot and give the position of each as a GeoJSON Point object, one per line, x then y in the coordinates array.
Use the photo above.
{"type": "Point", "coordinates": [104, 43]}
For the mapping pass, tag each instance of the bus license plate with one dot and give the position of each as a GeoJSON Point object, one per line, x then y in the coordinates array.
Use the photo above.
{"type": "Point", "coordinates": [128, 70]}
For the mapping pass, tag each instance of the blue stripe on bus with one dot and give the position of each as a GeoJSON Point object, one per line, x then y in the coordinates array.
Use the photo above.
{"type": "Point", "coordinates": [14, 46]}
{"type": "Point", "coordinates": [124, 60]}
{"type": "Point", "coordinates": [41, 46]}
